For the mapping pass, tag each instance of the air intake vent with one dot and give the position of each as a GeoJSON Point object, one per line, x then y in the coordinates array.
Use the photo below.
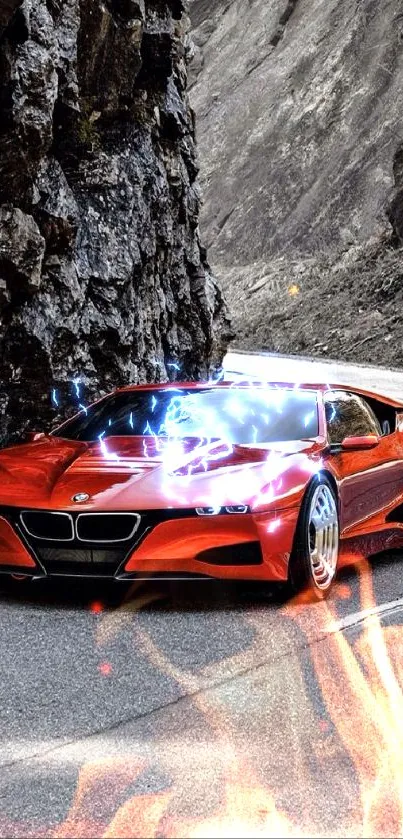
{"type": "Point", "coordinates": [52, 527]}
{"type": "Point", "coordinates": [65, 555]}
{"type": "Point", "coordinates": [247, 553]}
{"type": "Point", "coordinates": [101, 528]}
{"type": "Point", "coordinates": [82, 562]}
{"type": "Point", "coordinates": [75, 556]}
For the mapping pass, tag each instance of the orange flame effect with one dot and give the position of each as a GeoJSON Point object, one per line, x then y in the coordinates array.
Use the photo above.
{"type": "Point", "coordinates": [361, 684]}
{"type": "Point", "coordinates": [360, 675]}
{"type": "Point", "coordinates": [369, 717]}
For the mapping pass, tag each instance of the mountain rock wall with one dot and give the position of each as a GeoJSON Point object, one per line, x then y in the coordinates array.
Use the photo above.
{"type": "Point", "coordinates": [102, 275]}
{"type": "Point", "coordinates": [299, 124]}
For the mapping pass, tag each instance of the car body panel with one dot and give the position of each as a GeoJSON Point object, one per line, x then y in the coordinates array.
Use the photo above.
{"type": "Point", "coordinates": [48, 474]}
{"type": "Point", "coordinates": [13, 552]}
{"type": "Point", "coordinates": [370, 484]}
{"type": "Point", "coordinates": [188, 539]}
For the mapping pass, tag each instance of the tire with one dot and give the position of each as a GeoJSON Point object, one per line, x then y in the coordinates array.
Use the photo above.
{"type": "Point", "coordinates": [315, 554]}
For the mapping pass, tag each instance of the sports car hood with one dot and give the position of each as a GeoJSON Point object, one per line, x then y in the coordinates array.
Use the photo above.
{"type": "Point", "coordinates": [148, 473]}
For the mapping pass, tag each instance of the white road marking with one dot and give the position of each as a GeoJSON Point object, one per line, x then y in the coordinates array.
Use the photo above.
{"type": "Point", "coordinates": [365, 614]}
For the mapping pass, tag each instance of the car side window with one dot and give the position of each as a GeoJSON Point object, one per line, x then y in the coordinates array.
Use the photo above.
{"type": "Point", "coordinates": [348, 415]}
{"type": "Point", "coordinates": [385, 414]}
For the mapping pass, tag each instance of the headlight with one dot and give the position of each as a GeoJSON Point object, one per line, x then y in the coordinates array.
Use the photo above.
{"type": "Point", "coordinates": [236, 509]}
{"type": "Point", "coordinates": [208, 511]}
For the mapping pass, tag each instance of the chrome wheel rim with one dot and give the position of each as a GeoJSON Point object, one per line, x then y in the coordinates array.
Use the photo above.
{"type": "Point", "coordinates": [323, 537]}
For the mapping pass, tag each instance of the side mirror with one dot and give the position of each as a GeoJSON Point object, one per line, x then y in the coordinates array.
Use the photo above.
{"type": "Point", "coordinates": [33, 436]}
{"type": "Point", "coordinates": [356, 443]}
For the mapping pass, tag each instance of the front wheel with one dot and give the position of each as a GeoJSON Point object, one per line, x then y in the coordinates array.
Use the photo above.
{"type": "Point", "coordinates": [315, 554]}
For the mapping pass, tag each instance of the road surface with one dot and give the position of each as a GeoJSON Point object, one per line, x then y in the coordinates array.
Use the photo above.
{"type": "Point", "coordinates": [203, 708]}
{"type": "Point", "coordinates": [269, 367]}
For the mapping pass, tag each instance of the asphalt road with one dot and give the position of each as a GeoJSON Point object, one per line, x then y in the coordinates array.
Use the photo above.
{"type": "Point", "coordinates": [269, 367]}
{"type": "Point", "coordinates": [202, 708]}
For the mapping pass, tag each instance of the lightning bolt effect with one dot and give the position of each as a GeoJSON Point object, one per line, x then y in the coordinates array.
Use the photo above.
{"type": "Point", "coordinates": [191, 432]}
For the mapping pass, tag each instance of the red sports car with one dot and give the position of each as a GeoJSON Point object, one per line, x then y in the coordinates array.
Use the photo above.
{"type": "Point", "coordinates": [264, 482]}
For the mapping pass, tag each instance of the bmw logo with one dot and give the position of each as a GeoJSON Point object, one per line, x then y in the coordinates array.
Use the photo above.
{"type": "Point", "coordinates": [80, 496]}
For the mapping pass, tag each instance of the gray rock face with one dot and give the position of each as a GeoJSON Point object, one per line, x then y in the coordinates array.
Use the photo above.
{"type": "Point", "coordinates": [318, 86]}
{"type": "Point", "coordinates": [102, 275]}
{"type": "Point", "coordinates": [7, 9]}
{"type": "Point", "coordinates": [22, 249]}
{"type": "Point", "coordinates": [298, 106]}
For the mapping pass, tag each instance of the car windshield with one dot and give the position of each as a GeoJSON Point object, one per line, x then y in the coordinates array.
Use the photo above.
{"type": "Point", "coordinates": [237, 415]}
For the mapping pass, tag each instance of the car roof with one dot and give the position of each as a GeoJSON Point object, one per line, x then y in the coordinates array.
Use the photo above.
{"type": "Point", "coordinates": [250, 383]}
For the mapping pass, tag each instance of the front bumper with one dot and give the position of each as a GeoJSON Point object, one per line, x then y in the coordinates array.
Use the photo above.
{"type": "Point", "coordinates": [166, 543]}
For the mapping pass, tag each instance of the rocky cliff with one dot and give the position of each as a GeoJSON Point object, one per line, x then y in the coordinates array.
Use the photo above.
{"type": "Point", "coordinates": [299, 109]}
{"type": "Point", "coordinates": [103, 280]}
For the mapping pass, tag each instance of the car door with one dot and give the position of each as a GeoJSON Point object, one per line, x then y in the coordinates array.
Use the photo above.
{"type": "Point", "coordinates": [370, 480]}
